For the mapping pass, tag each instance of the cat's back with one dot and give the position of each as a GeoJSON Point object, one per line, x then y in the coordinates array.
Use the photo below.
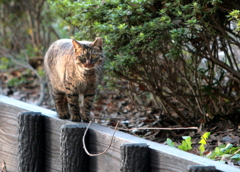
{"type": "Point", "coordinates": [58, 47]}
{"type": "Point", "coordinates": [56, 57]}
{"type": "Point", "coordinates": [58, 53]}
{"type": "Point", "coordinates": [64, 43]}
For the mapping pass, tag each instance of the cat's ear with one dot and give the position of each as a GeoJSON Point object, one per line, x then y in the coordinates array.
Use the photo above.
{"type": "Point", "coordinates": [98, 42]}
{"type": "Point", "coordinates": [76, 45]}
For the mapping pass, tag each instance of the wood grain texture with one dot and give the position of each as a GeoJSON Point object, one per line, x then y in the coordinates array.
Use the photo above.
{"type": "Point", "coordinates": [8, 136]}
{"type": "Point", "coordinates": [73, 156]}
{"type": "Point", "coordinates": [135, 157]}
{"type": "Point", "coordinates": [31, 142]}
{"type": "Point", "coordinates": [162, 157]}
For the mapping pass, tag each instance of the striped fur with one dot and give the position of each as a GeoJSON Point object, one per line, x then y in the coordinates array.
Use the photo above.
{"type": "Point", "coordinates": [74, 68]}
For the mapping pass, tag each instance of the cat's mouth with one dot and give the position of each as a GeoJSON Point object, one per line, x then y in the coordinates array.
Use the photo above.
{"type": "Point", "coordinates": [88, 66]}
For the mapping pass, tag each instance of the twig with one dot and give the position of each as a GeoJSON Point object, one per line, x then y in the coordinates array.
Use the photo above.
{"type": "Point", "coordinates": [1, 90]}
{"type": "Point", "coordinates": [42, 92]}
{"type": "Point", "coordinates": [233, 78]}
{"type": "Point", "coordinates": [157, 128]}
{"type": "Point", "coordinates": [126, 129]}
{"type": "Point", "coordinates": [235, 153]}
{"type": "Point", "coordinates": [84, 145]}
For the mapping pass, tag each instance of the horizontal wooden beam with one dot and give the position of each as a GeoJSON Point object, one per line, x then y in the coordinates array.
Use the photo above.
{"type": "Point", "coordinates": [162, 157]}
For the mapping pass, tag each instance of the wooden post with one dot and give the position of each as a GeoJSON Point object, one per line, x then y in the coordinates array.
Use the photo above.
{"type": "Point", "coordinates": [73, 155]}
{"type": "Point", "coordinates": [30, 142]}
{"type": "Point", "coordinates": [135, 157]}
{"type": "Point", "coordinates": [202, 168]}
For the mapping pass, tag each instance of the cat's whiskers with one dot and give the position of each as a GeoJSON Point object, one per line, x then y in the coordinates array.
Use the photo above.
{"type": "Point", "coordinates": [98, 69]}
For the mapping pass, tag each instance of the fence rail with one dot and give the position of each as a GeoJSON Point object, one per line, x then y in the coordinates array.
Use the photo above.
{"type": "Point", "coordinates": [34, 139]}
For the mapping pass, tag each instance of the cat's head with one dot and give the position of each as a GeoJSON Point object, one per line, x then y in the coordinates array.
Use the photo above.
{"type": "Point", "coordinates": [89, 55]}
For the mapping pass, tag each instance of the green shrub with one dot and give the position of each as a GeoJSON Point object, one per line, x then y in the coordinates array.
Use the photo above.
{"type": "Point", "coordinates": [170, 49]}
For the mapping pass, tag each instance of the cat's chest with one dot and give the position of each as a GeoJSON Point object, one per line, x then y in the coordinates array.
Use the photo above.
{"type": "Point", "coordinates": [85, 83]}
{"type": "Point", "coordinates": [81, 82]}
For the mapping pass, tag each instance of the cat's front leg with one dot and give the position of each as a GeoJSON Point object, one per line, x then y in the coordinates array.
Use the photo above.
{"type": "Point", "coordinates": [73, 107]}
{"type": "Point", "coordinates": [73, 100]}
{"type": "Point", "coordinates": [88, 101]}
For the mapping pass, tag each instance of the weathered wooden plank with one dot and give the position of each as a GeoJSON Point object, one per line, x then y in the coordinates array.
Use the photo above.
{"type": "Point", "coordinates": [9, 110]}
{"type": "Point", "coordinates": [8, 160]}
{"type": "Point", "coordinates": [162, 158]}
{"type": "Point", "coordinates": [31, 142]}
{"type": "Point", "coordinates": [8, 136]}
{"type": "Point", "coordinates": [73, 156]}
{"type": "Point", "coordinates": [135, 157]}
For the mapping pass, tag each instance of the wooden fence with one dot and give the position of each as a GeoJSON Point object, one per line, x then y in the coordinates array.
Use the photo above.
{"type": "Point", "coordinates": [34, 139]}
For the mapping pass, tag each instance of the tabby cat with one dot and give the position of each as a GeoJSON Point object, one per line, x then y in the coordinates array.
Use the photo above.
{"type": "Point", "coordinates": [74, 70]}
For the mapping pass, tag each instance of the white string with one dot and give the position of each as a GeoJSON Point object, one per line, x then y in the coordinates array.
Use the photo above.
{"type": "Point", "coordinates": [84, 145]}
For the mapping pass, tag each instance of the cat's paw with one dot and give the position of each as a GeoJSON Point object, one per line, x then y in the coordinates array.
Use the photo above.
{"type": "Point", "coordinates": [76, 118]}
{"type": "Point", "coordinates": [86, 118]}
{"type": "Point", "coordinates": [65, 115]}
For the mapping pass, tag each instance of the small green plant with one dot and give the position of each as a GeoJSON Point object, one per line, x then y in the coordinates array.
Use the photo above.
{"type": "Point", "coordinates": [185, 146]}
{"type": "Point", "coordinates": [170, 143]}
{"type": "Point", "coordinates": [223, 153]}
{"type": "Point", "coordinates": [186, 143]}
{"type": "Point", "coordinates": [203, 142]}
{"type": "Point", "coordinates": [4, 63]}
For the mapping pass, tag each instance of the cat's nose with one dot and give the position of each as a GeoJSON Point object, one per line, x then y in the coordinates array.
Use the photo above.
{"type": "Point", "coordinates": [88, 62]}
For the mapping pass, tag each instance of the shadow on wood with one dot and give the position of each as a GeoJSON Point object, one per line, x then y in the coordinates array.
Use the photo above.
{"type": "Point", "coordinates": [201, 168]}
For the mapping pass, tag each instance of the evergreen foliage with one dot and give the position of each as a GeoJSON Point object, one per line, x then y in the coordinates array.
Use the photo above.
{"type": "Point", "coordinates": [184, 52]}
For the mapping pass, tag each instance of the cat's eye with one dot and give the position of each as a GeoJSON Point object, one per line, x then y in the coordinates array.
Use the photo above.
{"type": "Point", "coordinates": [83, 60]}
{"type": "Point", "coordinates": [94, 55]}
{"type": "Point", "coordinates": [94, 60]}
